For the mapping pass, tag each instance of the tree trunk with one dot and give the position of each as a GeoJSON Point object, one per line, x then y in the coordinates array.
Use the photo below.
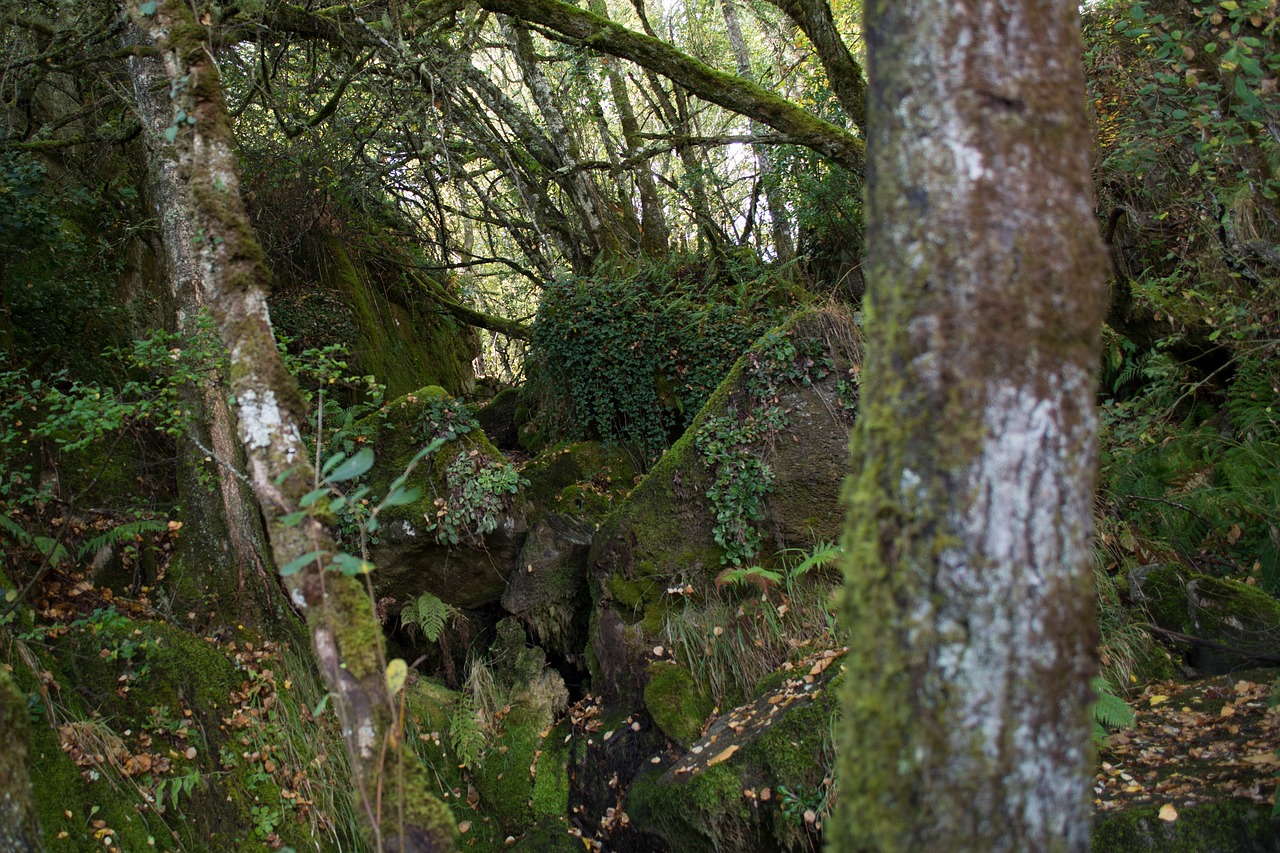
{"type": "Point", "coordinates": [779, 218]}
{"type": "Point", "coordinates": [394, 802]}
{"type": "Point", "coordinates": [968, 594]}
{"type": "Point", "coordinates": [19, 829]}
{"type": "Point", "coordinates": [222, 554]}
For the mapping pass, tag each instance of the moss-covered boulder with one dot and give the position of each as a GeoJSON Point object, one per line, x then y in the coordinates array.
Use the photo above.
{"type": "Point", "coordinates": [1231, 826]}
{"type": "Point", "coordinates": [498, 419]}
{"type": "Point", "coordinates": [758, 471]}
{"type": "Point", "coordinates": [510, 777]}
{"type": "Point", "coordinates": [571, 489]}
{"type": "Point", "coordinates": [461, 538]}
{"type": "Point", "coordinates": [1237, 618]}
{"type": "Point", "coordinates": [675, 703]}
{"type": "Point", "coordinates": [758, 779]}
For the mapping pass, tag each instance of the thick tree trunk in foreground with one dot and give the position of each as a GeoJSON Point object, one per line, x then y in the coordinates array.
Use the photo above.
{"type": "Point", "coordinates": [968, 585]}
{"type": "Point", "coordinates": [19, 829]}
{"type": "Point", "coordinates": [393, 798]}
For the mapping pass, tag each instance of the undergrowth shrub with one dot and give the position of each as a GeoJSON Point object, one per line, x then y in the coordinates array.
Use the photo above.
{"type": "Point", "coordinates": [631, 358]}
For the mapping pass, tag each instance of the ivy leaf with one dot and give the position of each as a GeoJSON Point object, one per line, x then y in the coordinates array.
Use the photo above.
{"type": "Point", "coordinates": [171, 133]}
{"type": "Point", "coordinates": [148, 9]}
{"type": "Point", "coordinates": [353, 467]}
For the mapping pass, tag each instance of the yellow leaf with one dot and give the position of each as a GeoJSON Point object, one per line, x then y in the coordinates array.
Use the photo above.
{"type": "Point", "coordinates": [724, 755]}
{"type": "Point", "coordinates": [1156, 700]}
{"type": "Point", "coordinates": [397, 671]}
{"type": "Point", "coordinates": [1168, 812]}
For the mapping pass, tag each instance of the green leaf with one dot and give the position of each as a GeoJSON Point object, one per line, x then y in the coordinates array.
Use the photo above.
{"type": "Point", "coordinates": [312, 496]}
{"type": "Point", "coordinates": [297, 564]}
{"type": "Point", "coordinates": [148, 9]}
{"type": "Point", "coordinates": [292, 519]}
{"type": "Point", "coordinates": [402, 496]}
{"type": "Point", "coordinates": [353, 467]}
{"type": "Point", "coordinates": [171, 133]}
{"type": "Point", "coordinates": [397, 672]}
{"type": "Point", "coordinates": [349, 565]}
{"type": "Point", "coordinates": [332, 462]}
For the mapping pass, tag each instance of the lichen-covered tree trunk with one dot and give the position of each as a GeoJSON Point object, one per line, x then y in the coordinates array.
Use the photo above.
{"type": "Point", "coordinates": [968, 584]}
{"type": "Point", "coordinates": [19, 829]}
{"type": "Point", "coordinates": [222, 553]}
{"type": "Point", "coordinates": [393, 799]}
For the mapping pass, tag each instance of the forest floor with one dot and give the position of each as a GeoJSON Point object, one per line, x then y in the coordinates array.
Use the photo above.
{"type": "Point", "coordinates": [1211, 739]}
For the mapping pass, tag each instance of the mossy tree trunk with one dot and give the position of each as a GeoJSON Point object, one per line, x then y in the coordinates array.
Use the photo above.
{"type": "Point", "coordinates": [395, 804]}
{"type": "Point", "coordinates": [966, 721]}
{"type": "Point", "coordinates": [222, 556]}
{"type": "Point", "coordinates": [19, 829]}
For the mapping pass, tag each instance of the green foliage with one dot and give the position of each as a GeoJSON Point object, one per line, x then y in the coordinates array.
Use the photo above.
{"type": "Point", "coordinates": [733, 445]}
{"type": "Point", "coordinates": [632, 358]}
{"type": "Point", "coordinates": [478, 490]}
{"type": "Point", "coordinates": [428, 614]}
{"type": "Point", "coordinates": [60, 244]}
{"type": "Point", "coordinates": [466, 736]}
{"type": "Point", "coordinates": [1109, 710]}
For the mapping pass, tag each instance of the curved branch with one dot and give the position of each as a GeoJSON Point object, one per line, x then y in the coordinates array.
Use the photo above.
{"type": "Point", "coordinates": [726, 90]}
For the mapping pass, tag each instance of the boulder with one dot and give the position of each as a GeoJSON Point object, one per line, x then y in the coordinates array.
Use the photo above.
{"type": "Point", "coordinates": [758, 471]}
{"type": "Point", "coordinates": [1224, 613]}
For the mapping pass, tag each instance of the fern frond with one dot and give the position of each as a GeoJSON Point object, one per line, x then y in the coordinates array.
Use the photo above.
{"type": "Point", "coordinates": [122, 533]}
{"type": "Point", "coordinates": [1109, 710]}
{"type": "Point", "coordinates": [465, 735]}
{"type": "Point", "coordinates": [823, 554]}
{"type": "Point", "coordinates": [14, 529]}
{"type": "Point", "coordinates": [428, 614]}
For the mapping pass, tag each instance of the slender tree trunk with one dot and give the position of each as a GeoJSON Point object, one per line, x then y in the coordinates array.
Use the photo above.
{"type": "Point", "coordinates": [222, 555]}
{"type": "Point", "coordinates": [779, 218]}
{"type": "Point", "coordinates": [393, 797]}
{"type": "Point", "coordinates": [968, 593]}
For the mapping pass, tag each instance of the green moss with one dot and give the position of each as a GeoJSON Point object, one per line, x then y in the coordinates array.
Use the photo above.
{"type": "Point", "coordinates": [502, 778]}
{"type": "Point", "coordinates": [1165, 593]}
{"type": "Point", "coordinates": [356, 629]}
{"type": "Point", "coordinates": [551, 785]}
{"type": "Point", "coordinates": [791, 751]}
{"type": "Point", "coordinates": [1223, 827]}
{"type": "Point", "coordinates": [701, 813]}
{"type": "Point", "coordinates": [674, 701]}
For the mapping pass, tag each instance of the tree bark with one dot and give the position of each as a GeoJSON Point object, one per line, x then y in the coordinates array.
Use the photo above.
{"type": "Point", "coordinates": [968, 595]}
{"type": "Point", "coordinates": [222, 555]}
{"type": "Point", "coordinates": [843, 73]}
{"type": "Point", "coordinates": [394, 804]}
{"type": "Point", "coordinates": [19, 828]}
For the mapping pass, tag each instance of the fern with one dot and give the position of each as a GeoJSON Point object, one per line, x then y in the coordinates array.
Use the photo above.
{"type": "Point", "coordinates": [1109, 710]}
{"type": "Point", "coordinates": [428, 614]}
{"type": "Point", "coordinates": [465, 735]}
{"type": "Point", "coordinates": [823, 554]}
{"type": "Point", "coordinates": [121, 534]}
{"type": "Point", "coordinates": [15, 530]}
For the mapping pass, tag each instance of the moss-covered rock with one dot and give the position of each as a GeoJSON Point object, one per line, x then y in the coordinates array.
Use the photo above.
{"type": "Point", "coordinates": [410, 556]}
{"type": "Point", "coordinates": [498, 419]}
{"type": "Point", "coordinates": [748, 781]}
{"type": "Point", "coordinates": [329, 291]}
{"type": "Point", "coordinates": [1224, 612]}
{"type": "Point", "coordinates": [1231, 826]}
{"type": "Point", "coordinates": [671, 533]}
{"type": "Point", "coordinates": [674, 701]}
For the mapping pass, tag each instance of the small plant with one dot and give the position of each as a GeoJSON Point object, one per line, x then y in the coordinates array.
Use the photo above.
{"type": "Point", "coordinates": [1109, 711]}
{"type": "Point", "coordinates": [478, 489]}
{"type": "Point", "coordinates": [428, 614]}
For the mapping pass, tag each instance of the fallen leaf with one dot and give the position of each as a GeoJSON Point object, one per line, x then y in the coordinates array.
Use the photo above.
{"type": "Point", "coordinates": [1168, 812]}
{"type": "Point", "coordinates": [723, 755]}
{"type": "Point", "coordinates": [1158, 698]}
